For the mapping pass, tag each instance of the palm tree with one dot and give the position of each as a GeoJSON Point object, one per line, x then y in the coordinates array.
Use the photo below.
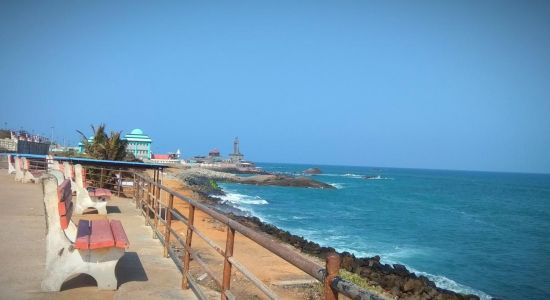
{"type": "Point", "coordinates": [103, 146]}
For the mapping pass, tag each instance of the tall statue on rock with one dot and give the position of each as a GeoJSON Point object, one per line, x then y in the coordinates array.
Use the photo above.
{"type": "Point", "coordinates": [236, 146]}
{"type": "Point", "coordinates": [236, 156]}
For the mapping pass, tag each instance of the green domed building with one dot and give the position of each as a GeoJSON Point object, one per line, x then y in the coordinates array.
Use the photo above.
{"type": "Point", "coordinates": [139, 144]}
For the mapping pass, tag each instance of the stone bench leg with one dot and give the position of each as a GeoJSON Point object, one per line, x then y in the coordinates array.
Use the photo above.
{"type": "Point", "coordinates": [83, 202]}
{"type": "Point", "coordinates": [19, 176]}
{"type": "Point", "coordinates": [11, 167]}
{"type": "Point", "coordinates": [29, 177]}
{"type": "Point", "coordinates": [98, 263]}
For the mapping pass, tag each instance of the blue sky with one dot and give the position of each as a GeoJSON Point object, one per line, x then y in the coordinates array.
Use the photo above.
{"type": "Point", "coordinates": [428, 84]}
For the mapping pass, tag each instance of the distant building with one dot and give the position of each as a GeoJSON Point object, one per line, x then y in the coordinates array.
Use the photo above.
{"type": "Point", "coordinates": [169, 158]}
{"type": "Point", "coordinates": [214, 156]}
{"type": "Point", "coordinates": [214, 153]}
{"type": "Point", "coordinates": [60, 148]}
{"type": "Point", "coordinates": [23, 142]}
{"type": "Point", "coordinates": [160, 156]}
{"type": "Point", "coordinates": [139, 144]}
{"type": "Point", "coordinates": [236, 156]}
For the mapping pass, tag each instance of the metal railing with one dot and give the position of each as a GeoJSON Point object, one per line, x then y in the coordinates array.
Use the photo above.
{"type": "Point", "coordinates": [118, 180]}
{"type": "Point", "coordinates": [147, 195]}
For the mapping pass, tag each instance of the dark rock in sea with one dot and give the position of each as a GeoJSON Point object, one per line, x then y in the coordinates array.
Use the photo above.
{"type": "Point", "coordinates": [284, 180]}
{"type": "Point", "coordinates": [401, 270]}
{"type": "Point", "coordinates": [312, 171]}
{"type": "Point", "coordinates": [203, 185]}
{"type": "Point", "coordinates": [188, 175]}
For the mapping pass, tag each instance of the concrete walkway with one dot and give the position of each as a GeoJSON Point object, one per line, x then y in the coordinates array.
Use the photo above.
{"type": "Point", "coordinates": [142, 273]}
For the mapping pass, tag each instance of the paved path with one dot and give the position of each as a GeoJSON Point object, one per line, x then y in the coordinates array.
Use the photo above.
{"type": "Point", "coordinates": [142, 273]}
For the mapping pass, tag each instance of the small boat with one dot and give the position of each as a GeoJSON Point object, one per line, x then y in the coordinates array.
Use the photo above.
{"type": "Point", "coordinates": [372, 177]}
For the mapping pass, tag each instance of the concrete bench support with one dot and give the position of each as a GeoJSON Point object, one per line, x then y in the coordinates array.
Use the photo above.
{"type": "Point", "coordinates": [28, 174]}
{"type": "Point", "coordinates": [83, 199]}
{"type": "Point", "coordinates": [19, 175]}
{"type": "Point", "coordinates": [11, 165]}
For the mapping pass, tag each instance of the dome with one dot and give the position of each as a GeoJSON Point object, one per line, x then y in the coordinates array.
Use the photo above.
{"type": "Point", "coordinates": [136, 131]}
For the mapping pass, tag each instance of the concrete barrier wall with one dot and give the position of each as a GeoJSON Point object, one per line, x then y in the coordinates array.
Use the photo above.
{"type": "Point", "coordinates": [26, 147]}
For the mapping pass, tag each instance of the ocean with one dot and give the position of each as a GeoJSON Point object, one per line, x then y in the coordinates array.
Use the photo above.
{"type": "Point", "coordinates": [472, 232]}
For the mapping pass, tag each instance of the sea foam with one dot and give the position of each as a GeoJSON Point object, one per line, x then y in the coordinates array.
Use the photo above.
{"type": "Point", "coordinates": [337, 185]}
{"type": "Point", "coordinates": [351, 175]}
{"type": "Point", "coordinates": [236, 198]}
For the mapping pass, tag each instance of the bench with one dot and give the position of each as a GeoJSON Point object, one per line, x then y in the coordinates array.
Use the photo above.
{"type": "Point", "coordinates": [19, 175]}
{"type": "Point", "coordinates": [93, 247]}
{"type": "Point", "coordinates": [82, 201]}
{"type": "Point", "coordinates": [94, 193]}
{"type": "Point", "coordinates": [29, 174]}
{"type": "Point", "coordinates": [83, 197]}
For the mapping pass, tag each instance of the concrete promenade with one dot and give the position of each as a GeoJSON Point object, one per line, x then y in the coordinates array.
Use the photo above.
{"type": "Point", "coordinates": [142, 272]}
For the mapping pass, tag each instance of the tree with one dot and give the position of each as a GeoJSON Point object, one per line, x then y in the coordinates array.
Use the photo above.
{"type": "Point", "coordinates": [103, 146]}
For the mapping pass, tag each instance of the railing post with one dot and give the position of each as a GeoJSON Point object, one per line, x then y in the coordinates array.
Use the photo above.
{"type": "Point", "coordinates": [168, 224]}
{"type": "Point", "coordinates": [119, 183]}
{"type": "Point", "coordinates": [160, 176]}
{"type": "Point", "coordinates": [134, 184]}
{"type": "Point", "coordinates": [136, 189]}
{"type": "Point", "coordinates": [141, 194]}
{"type": "Point", "coordinates": [229, 242]}
{"type": "Point", "coordinates": [332, 267]}
{"type": "Point", "coordinates": [156, 210]}
{"type": "Point", "coordinates": [148, 203]}
{"type": "Point", "coordinates": [187, 254]}
{"type": "Point", "coordinates": [101, 179]}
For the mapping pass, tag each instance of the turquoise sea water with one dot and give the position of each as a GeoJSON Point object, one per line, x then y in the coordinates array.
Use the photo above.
{"type": "Point", "coordinates": [472, 232]}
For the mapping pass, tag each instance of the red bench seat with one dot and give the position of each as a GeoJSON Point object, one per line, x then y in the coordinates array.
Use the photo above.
{"type": "Point", "coordinates": [36, 173]}
{"type": "Point", "coordinates": [97, 234]}
{"type": "Point", "coordinates": [100, 193]}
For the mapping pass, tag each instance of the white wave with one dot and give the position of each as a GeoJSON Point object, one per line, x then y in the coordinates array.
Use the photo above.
{"type": "Point", "coordinates": [377, 177]}
{"type": "Point", "coordinates": [328, 174]}
{"type": "Point", "coordinates": [237, 198]}
{"type": "Point", "coordinates": [353, 175]}
{"type": "Point", "coordinates": [341, 175]}
{"type": "Point", "coordinates": [337, 185]}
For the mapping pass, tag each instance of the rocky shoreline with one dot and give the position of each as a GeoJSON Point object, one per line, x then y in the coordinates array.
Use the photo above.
{"type": "Point", "coordinates": [394, 279]}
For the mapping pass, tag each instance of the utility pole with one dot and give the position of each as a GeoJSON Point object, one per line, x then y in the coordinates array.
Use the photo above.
{"type": "Point", "coordinates": [51, 140]}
